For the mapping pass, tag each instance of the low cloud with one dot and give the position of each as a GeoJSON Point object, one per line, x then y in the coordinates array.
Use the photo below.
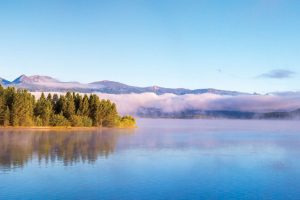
{"type": "Point", "coordinates": [169, 103]}
{"type": "Point", "coordinates": [278, 74]}
{"type": "Point", "coordinates": [130, 103]}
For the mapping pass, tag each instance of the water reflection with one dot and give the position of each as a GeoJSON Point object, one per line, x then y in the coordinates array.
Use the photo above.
{"type": "Point", "coordinates": [18, 147]}
{"type": "Point", "coordinates": [217, 138]}
{"type": "Point", "coordinates": [163, 159]}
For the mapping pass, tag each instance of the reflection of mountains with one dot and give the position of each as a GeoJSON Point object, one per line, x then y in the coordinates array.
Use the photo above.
{"type": "Point", "coordinates": [17, 147]}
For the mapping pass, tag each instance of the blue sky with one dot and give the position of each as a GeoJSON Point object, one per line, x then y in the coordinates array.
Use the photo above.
{"type": "Point", "coordinates": [251, 46]}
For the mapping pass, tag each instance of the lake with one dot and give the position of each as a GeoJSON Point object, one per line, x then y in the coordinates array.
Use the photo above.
{"type": "Point", "coordinates": [161, 159]}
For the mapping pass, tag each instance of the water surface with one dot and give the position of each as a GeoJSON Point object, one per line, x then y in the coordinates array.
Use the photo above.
{"type": "Point", "coordinates": [162, 159]}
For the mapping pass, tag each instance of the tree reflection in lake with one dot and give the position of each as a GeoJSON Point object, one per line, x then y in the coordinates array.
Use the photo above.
{"type": "Point", "coordinates": [20, 146]}
{"type": "Point", "coordinates": [163, 159]}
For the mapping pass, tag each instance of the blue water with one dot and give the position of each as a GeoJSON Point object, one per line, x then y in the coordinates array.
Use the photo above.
{"type": "Point", "coordinates": [162, 159]}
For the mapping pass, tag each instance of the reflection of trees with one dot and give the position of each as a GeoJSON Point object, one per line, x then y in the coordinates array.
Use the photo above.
{"type": "Point", "coordinates": [17, 147]}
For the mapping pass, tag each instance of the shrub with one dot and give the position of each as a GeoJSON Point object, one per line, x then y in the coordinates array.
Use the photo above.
{"type": "Point", "coordinates": [127, 122]}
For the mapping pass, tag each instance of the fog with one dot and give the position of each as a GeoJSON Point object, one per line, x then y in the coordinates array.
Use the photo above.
{"type": "Point", "coordinates": [130, 103]}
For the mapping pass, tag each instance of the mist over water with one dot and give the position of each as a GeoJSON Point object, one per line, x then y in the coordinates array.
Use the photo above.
{"type": "Point", "coordinates": [131, 103]}
{"type": "Point", "coordinates": [161, 159]}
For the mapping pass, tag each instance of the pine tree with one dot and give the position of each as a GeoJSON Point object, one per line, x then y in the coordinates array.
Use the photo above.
{"type": "Point", "coordinates": [61, 105]}
{"type": "Point", "coordinates": [94, 103]}
{"type": "Point", "coordinates": [69, 107]}
{"type": "Point", "coordinates": [19, 108]}
{"type": "Point", "coordinates": [22, 109]}
{"type": "Point", "coordinates": [49, 97]}
{"type": "Point", "coordinates": [43, 109]}
{"type": "Point", "coordinates": [84, 106]}
{"type": "Point", "coordinates": [77, 102]}
{"type": "Point", "coordinates": [2, 107]}
{"type": "Point", "coordinates": [9, 95]}
{"type": "Point", "coordinates": [108, 113]}
{"type": "Point", "coordinates": [55, 104]}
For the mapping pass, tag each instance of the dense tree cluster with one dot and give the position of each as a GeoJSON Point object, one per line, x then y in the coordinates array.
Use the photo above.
{"type": "Point", "coordinates": [20, 108]}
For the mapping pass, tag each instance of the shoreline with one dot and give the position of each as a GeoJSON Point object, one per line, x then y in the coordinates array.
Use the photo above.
{"type": "Point", "coordinates": [62, 128]}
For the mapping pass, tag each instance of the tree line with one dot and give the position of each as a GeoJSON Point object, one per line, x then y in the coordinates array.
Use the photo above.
{"type": "Point", "coordinates": [18, 107]}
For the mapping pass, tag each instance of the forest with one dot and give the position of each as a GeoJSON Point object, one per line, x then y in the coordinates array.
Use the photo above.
{"type": "Point", "coordinates": [18, 107]}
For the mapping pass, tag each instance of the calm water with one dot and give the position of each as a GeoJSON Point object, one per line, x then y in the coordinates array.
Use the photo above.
{"type": "Point", "coordinates": [162, 159]}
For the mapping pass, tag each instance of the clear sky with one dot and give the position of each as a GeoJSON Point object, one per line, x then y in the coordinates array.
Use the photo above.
{"type": "Point", "coordinates": [246, 45]}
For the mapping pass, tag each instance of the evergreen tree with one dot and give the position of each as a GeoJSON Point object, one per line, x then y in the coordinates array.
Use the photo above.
{"type": "Point", "coordinates": [9, 95]}
{"type": "Point", "coordinates": [54, 101]}
{"type": "Point", "coordinates": [108, 114]}
{"type": "Point", "coordinates": [43, 110]}
{"type": "Point", "coordinates": [22, 109]}
{"type": "Point", "coordinates": [69, 107]}
{"type": "Point", "coordinates": [94, 103]}
{"type": "Point", "coordinates": [84, 106]}
{"type": "Point", "coordinates": [49, 97]}
{"type": "Point", "coordinates": [77, 102]}
{"type": "Point", "coordinates": [2, 106]}
{"type": "Point", "coordinates": [19, 108]}
{"type": "Point", "coordinates": [61, 105]}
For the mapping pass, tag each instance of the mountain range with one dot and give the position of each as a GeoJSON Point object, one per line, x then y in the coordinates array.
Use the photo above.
{"type": "Point", "coordinates": [160, 102]}
{"type": "Point", "coordinates": [39, 83]}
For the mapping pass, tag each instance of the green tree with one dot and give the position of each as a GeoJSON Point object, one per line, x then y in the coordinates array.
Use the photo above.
{"type": "Point", "coordinates": [49, 97]}
{"type": "Point", "coordinates": [2, 106]}
{"type": "Point", "coordinates": [108, 114]}
{"type": "Point", "coordinates": [22, 109]}
{"type": "Point", "coordinates": [77, 101]}
{"type": "Point", "coordinates": [94, 103]}
{"type": "Point", "coordinates": [69, 106]}
{"type": "Point", "coordinates": [19, 108]}
{"type": "Point", "coordinates": [9, 95]}
{"type": "Point", "coordinates": [84, 106]}
{"type": "Point", "coordinates": [54, 102]}
{"type": "Point", "coordinates": [60, 105]}
{"type": "Point", "coordinates": [43, 110]}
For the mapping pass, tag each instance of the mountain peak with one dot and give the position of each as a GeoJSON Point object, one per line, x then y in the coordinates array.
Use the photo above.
{"type": "Point", "coordinates": [33, 79]}
{"type": "Point", "coordinates": [20, 79]}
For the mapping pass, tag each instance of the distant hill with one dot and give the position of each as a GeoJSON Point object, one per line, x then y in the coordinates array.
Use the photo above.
{"type": "Point", "coordinates": [195, 114]}
{"type": "Point", "coordinates": [39, 83]}
{"type": "Point", "coordinates": [282, 115]}
{"type": "Point", "coordinates": [225, 114]}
